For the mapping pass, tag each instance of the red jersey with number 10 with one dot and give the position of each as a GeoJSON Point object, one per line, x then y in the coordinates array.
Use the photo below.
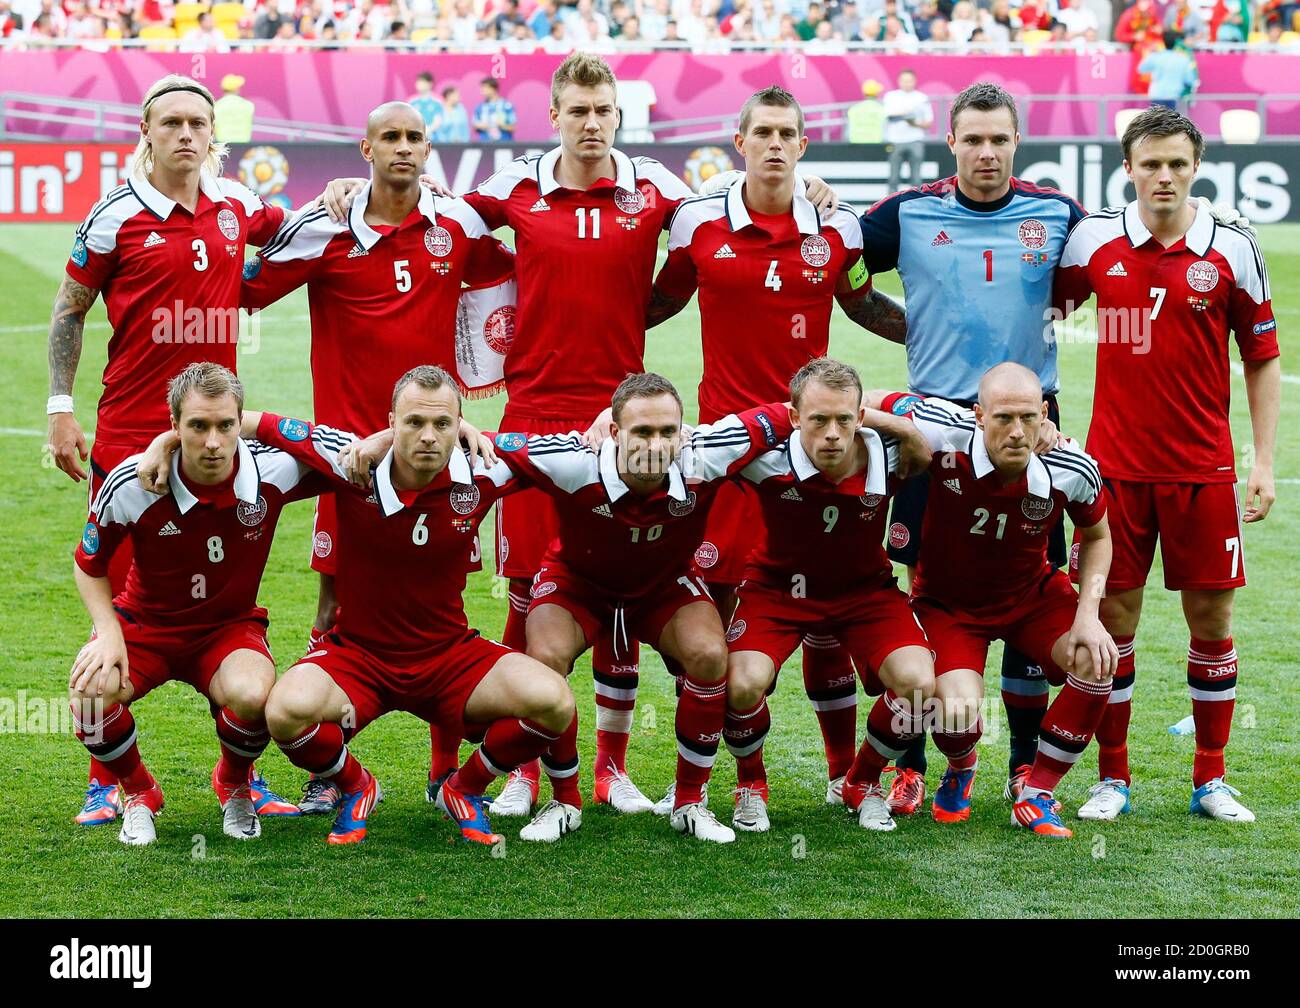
{"type": "Point", "coordinates": [585, 267]}
{"type": "Point", "coordinates": [1160, 406]}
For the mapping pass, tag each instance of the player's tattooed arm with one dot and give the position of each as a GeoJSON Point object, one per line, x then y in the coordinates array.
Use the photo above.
{"type": "Point", "coordinates": [661, 308]}
{"type": "Point", "coordinates": [877, 312]}
{"type": "Point", "coordinates": [67, 323]}
{"type": "Point", "coordinates": [914, 451]}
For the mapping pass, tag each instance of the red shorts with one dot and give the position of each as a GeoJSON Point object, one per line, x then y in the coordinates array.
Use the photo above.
{"type": "Point", "coordinates": [161, 654]}
{"type": "Point", "coordinates": [628, 620]}
{"type": "Point", "coordinates": [104, 458]}
{"type": "Point", "coordinates": [961, 639]}
{"type": "Point", "coordinates": [527, 521]}
{"type": "Point", "coordinates": [325, 537]}
{"type": "Point", "coordinates": [732, 531]}
{"type": "Point", "coordinates": [872, 624]}
{"type": "Point", "coordinates": [1199, 528]}
{"type": "Point", "coordinates": [434, 689]}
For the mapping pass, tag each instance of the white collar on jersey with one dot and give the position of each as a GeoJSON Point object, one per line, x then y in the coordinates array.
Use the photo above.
{"type": "Point", "coordinates": [247, 480]}
{"type": "Point", "coordinates": [159, 205]}
{"type": "Point", "coordinates": [386, 493]}
{"type": "Point", "coordinates": [367, 236]}
{"type": "Point", "coordinates": [624, 171]}
{"type": "Point", "coordinates": [877, 481]}
{"type": "Point", "coordinates": [1199, 236]}
{"type": "Point", "coordinates": [1040, 481]}
{"type": "Point", "coordinates": [613, 482]}
{"type": "Point", "coordinates": [805, 214]}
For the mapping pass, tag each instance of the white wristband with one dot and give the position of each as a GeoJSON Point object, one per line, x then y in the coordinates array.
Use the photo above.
{"type": "Point", "coordinates": [58, 404]}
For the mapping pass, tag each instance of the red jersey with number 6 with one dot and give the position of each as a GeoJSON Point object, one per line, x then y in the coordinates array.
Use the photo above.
{"type": "Point", "coordinates": [1160, 412]}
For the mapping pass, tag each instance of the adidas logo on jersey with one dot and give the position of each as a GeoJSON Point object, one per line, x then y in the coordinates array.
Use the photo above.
{"type": "Point", "coordinates": [539, 206]}
{"type": "Point", "coordinates": [357, 250]}
{"type": "Point", "coordinates": [154, 239]}
{"type": "Point", "coordinates": [724, 253]}
{"type": "Point", "coordinates": [169, 529]}
{"type": "Point", "coordinates": [1117, 270]}
{"type": "Point", "coordinates": [941, 239]}
{"type": "Point", "coordinates": [953, 485]}
{"type": "Point", "coordinates": [604, 511]}
{"type": "Point", "coordinates": [791, 494]}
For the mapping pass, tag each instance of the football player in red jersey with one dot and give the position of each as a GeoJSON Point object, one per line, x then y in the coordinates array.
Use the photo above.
{"type": "Point", "coordinates": [380, 284]}
{"type": "Point", "coordinates": [820, 564]}
{"type": "Point", "coordinates": [402, 641]}
{"type": "Point", "coordinates": [768, 267]}
{"type": "Point", "coordinates": [189, 609]}
{"type": "Point", "coordinates": [166, 249]}
{"type": "Point", "coordinates": [1172, 282]}
{"type": "Point", "coordinates": [984, 575]}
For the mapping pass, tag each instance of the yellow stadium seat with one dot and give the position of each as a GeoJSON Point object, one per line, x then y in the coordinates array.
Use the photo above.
{"type": "Point", "coordinates": [1256, 37]}
{"type": "Point", "coordinates": [228, 13]}
{"type": "Point", "coordinates": [424, 34]}
{"type": "Point", "coordinates": [182, 26]}
{"type": "Point", "coordinates": [229, 29]}
{"type": "Point", "coordinates": [159, 33]}
{"type": "Point", "coordinates": [187, 12]}
{"type": "Point", "coordinates": [1289, 38]}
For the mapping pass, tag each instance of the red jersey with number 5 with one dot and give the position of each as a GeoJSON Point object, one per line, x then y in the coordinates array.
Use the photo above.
{"type": "Point", "coordinates": [585, 266]}
{"type": "Point", "coordinates": [377, 294]}
{"type": "Point", "coordinates": [1160, 406]}
{"type": "Point", "coordinates": [767, 285]}
{"type": "Point", "coordinates": [984, 542]}
{"type": "Point", "coordinates": [170, 282]}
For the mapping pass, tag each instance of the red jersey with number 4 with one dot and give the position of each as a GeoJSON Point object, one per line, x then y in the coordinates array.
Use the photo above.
{"type": "Point", "coordinates": [983, 542]}
{"type": "Point", "coordinates": [767, 285]}
{"type": "Point", "coordinates": [170, 282]}
{"type": "Point", "coordinates": [402, 554]}
{"type": "Point", "coordinates": [821, 539]}
{"type": "Point", "coordinates": [1161, 399]}
{"type": "Point", "coordinates": [585, 266]}
{"type": "Point", "coordinates": [622, 542]}
{"type": "Point", "coordinates": [377, 294]}
{"type": "Point", "coordinates": [199, 550]}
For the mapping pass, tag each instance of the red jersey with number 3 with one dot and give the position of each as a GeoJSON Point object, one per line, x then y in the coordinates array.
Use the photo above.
{"type": "Point", "coordinates": [767, 285]}
{"type": "Point", "coordinates": [402, 554]}
{"type": "Point", "coordinates": [623, 542]}
{"type": "Point", "coordinates": [1161, 400]}
{"type": "Point", "coordinates": [585, 266]}
{"type": "Point", "coordinates": [170, 282]}
{"type": "Point", "coordinates": [199, 550]}
{"type": "Point", "coordinates": [983, 542]}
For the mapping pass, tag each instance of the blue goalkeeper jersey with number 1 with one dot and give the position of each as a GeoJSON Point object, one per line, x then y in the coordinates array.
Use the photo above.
{"type": "Point", "coordinates": [977, 277]}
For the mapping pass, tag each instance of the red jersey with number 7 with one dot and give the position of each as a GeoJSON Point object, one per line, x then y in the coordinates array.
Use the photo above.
{"type": "Point", "coordinates": [1160, 405]}
{"type": "Point", "coordinates": [585, 265]}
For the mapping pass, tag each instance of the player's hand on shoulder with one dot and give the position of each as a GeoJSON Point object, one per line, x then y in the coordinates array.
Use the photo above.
{"type": "Point", "coordinates": [67, 442]}
{"type": "Point", "coordinates": [1090, 652]}
{"type": "Point", "coordinates": [337, 197]}
{"type": "Point", "coordinates": [1049, 438]}
{"type": "Point", "coordinates": [436, 187]}
{"type": "Point", "coordinates": [156, 462]}
{"type": "Point", "coordinates": [595, 435]}
{"type": "Point", "coordinates": [914, 454]}
{"type": "Point", "coordinates": [356, 458]}
{"type": "Point", "coordinates": [478, 446]}
{"type": "Point", "coordinates": [1261, 492]}
{"type": "Point", "coordinates": [820, 195]}
{"type": "Point", "coordinates": [101, 666]}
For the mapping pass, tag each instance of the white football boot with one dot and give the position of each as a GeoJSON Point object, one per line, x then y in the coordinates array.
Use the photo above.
{"type": "Point", "coordinates": [664, 806]}
{"type": "Point", "coordinates": [697, 821]}
{"type": "Point", "coordinates": [137, 823]}
{"type": "Point", "coordinates": [616, 790]}
{"type": "Point", "coordinates": [835, 792]}
{"type": "Point", "coordinates": [238, 817]}
{"type": "Point", "coordinates": [554, 821]}
{"type": "Point", "coordinates": [1106, 801]}
{"type": "Point", "coordinates": [516, 798]}
{"type": "Point", "coordinates": [1218, 800]}
{"type": "Point", "coordinates": [750, 813]}
{"type": "Point", "coordinates": [873, 813]}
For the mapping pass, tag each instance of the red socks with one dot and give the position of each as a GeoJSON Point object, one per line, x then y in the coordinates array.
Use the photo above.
{"type": "Point", "coordinates": [701, 712]}
{"type": "Point", "coordinates": [744, 732]}
{"type": "Point", "coordinates": [561, 760]}
{"type": "Point", "coordinates": [1112, 733]}
{"type": "Point", "coordinates": [444, 751]}
{"type": "Point", "coordinates": [1067, 729]}
{"type": "Point", "coordinates": [322, 751]}
{"type": "Point", "coordinates": [832, 688]}
{"type": "Point", "coordinates": [890, 727]}
{"type": "Point", "coordinates": [616, 682]}
{"type": "Point", "coordinates": [1212, 680]}
{"type": "Point", "coordinates": [109, 735]}
{"type": "Point", "coordinates": [242, 742]}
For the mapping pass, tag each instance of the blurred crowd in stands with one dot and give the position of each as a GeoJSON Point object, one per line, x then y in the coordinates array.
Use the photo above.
{"type": "Point", "coordinates": [704, 26]}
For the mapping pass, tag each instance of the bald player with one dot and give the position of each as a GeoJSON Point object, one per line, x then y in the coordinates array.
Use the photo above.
{"type": "Point", "coordinates": [380, 284]}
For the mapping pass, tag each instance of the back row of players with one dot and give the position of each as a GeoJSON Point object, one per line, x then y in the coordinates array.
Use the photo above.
{"type": "Point", "coordinates": [757, 240]}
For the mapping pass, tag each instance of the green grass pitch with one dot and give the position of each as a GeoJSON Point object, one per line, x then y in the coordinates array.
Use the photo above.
{"type": "Point", "coordinates": [1158, 861]}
